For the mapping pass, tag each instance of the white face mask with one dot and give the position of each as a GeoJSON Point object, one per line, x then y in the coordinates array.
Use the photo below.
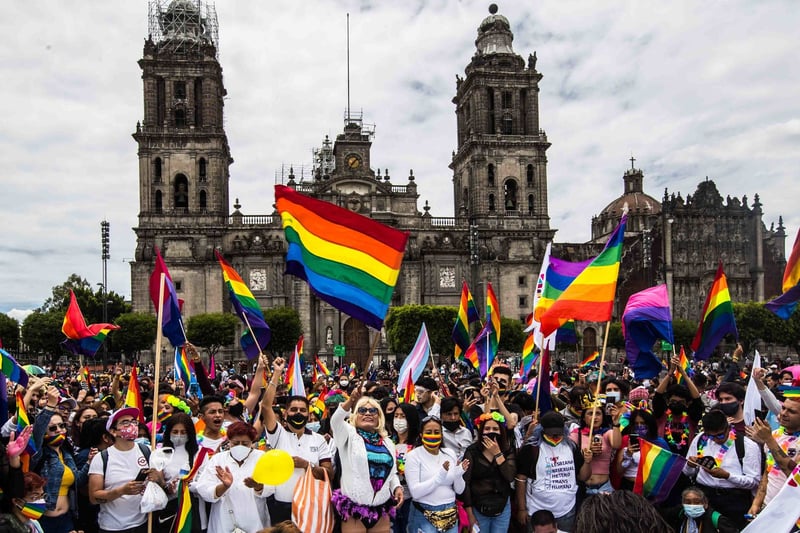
{"type": "Point", "coordinates": [694, 511]}
{"type": "Point", "coordinates": [313, 426]}
{"type": "Point", "coordinates": [400, 425]}
{"type": "Point", "coordinates": [179, 440]}
{"type": "Point", "coordinates": [240, 452]}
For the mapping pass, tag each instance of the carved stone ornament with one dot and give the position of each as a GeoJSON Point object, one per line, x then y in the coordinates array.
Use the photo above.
{"type": "Point", "coordinates": [447, 277]}
{"type": "Point", "coordinates": [258, 279]}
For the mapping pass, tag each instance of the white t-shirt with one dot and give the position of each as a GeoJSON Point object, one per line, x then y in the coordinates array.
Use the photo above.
{"type": "Point", "coordinates": [123, 512]}
{"type": "Point", "coordinates": [428, 481]}
{"type": "Point", "coordinates": [310, 446]}
{"type": "Point", "coordinates": [555, 486]}
{"type": "Point", "coordinates": [776, 479]}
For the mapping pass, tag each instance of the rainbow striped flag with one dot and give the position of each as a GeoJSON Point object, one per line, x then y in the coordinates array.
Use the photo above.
{"type": "Point", "coordinates": [789, 392]}
{"type": "Point", "coordinates": [183, 367]}
{"type": "Point", "coordinates": [171, 319]}
{"type": "Point", "coordinates": [348, 260]}
{"type": "Point", "coordinates": [590, 359]}
{"type": "Point", "coordinates": [257, 333]}
{"type": "Point", "coordinates": [646, 318]}
{"type": "Point", "coordinates": [417, 359]}
{"type": "Point", "coordinates": [12, 370]}
{"type": "Point", "coordinates": [493, 316]}
{"type": "Point", "coordinates": [321, 368]}
{"type": "Point", "coordinates": [23, 421]}
{"type": "Point", "coordinates": [558, 276]}
{"type": "Point", "coordinates": [566, 334]}
{"type": "Point", "coordinates": [659, 469]}
{"type": "Point", "coordinates": [478, 352]}
{"type": "Point", "coordinates": [353, 373]}
{"type": "Point", "coordinates": [133, 398]}
{"type": "Point", "coordinates": [294, 374]}
{"type": "Point", "coordinates": [529, 353]}
{"type": "Point", "coordinates": [685, 365]}
{"type": "Point", "coordinates": [82, 339]}
{"type": "Point", "coordinates": [590, 296]}
{"type": "Point", "coordinates": [183, 523]}
{"type": "Point", "coordinates": [467, 314]}
{"type": "Point", "coordinates": [786, 304]}
{"type": "Point", "coordinates": [408, 391]}
{"type": "Point", "coordinates": [718, 319]}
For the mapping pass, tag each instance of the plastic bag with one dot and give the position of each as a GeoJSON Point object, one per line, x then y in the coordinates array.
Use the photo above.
{"type": "Point", "coordinates": [153, 499]}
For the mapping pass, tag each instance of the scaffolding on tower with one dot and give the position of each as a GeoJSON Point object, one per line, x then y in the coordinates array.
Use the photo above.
{"type": "Point", "coordinates": [183, 26]}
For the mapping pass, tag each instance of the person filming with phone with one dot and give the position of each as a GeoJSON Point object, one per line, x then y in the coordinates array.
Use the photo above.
{"type": "Point", "coordinates": [642, 426]}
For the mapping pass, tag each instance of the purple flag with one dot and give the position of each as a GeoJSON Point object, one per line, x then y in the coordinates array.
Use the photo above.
{"type": "Point", "coordinates": [646, 319]}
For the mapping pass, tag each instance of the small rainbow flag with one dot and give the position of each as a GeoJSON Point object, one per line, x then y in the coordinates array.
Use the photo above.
{"type": "Point", "coordinates": [789, 392]}
{"type": "Point", "coordinates": [23, 421]}
{"type": "Point", "coordinates": [478, 351]}
{"type": "Point", "coordinates": [659, 469]}
{"type": "Point", "coordinates": [408, 391]}
{"type": "Point", "coordinates": [467, 314]}
{"type": "Point", "coordinates": [321, 368]}
{"type": "Point", "coordinates": [590, 359]}
{"type": "Point", "coordinates": [294, 375]}
{"type": "Point", "coordinates": [183, 367]}
{"type": "Point", "coordinates": [82, 339]}
{"type": "Point", "coordinates": [529, 356]}
{"type": "Point", "coordinates": [685, 365]}
{"type": "Point", "coordinates": [353, 371]}
{"type": "Point", "coordinates": [786, 304]}
{"type": "Point", "coordinates": [257, 333]}
{"type": "Point", "coordinates": [12, 370]}
{"type": "Point", "coordinates": [718, 319]}
{"type": "Point", "coordinates": [133, 398]}
{"type": "Point", "coordinates": [493, 316]}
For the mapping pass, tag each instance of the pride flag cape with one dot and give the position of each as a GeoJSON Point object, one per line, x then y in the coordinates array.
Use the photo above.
{"type": "Point", "coordinates": [786, 304]}
{"type": "Point", "coordinates": [348, 260]}
{"type": "Point", "coordinates": [416, 361]}
{"type": "Point", "coordinates": [183, 523]}
{"type": "Point", "coordinates": [133, 398]}
{"type": "Point", "coordinates": [294, 374]}
{"type": "Point", "coordinates": [82, 339]}
{"type": "Point", "coordinates": [591, 295]}
{"type": "Point", "coordinates": [659, 469]}
{"type": "Point", "coordinates": [493, 316]}
{"type": "Point", "coordinates": [172, 321]}
{"type": "Point", "coordinates": [717, 318]}
{"type": "Point", "coordinates": [646, 318]}
{"type": "Point", "coordinates": [12, 370]}
{"type": "Point", "coordinates": [183, 367]}
{"type": "Point", "coordinates": [467, 314]}
{"type": "Point", "coordinates": [247, 309]}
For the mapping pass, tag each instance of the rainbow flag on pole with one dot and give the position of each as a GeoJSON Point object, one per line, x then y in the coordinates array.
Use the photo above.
{"type": "Point", "coordinates": [171, 321]}
{"type": "Point", "coordinates": [685, 365]}
{"type": "Point", "coordinates": [717, 318]}
{"type": "Point", "coordinates": [257, 333]}
{"type": "Point", "coordinates": [467, 314]}
{"type": "Point", "coordinates": [23, 421]}
{"type": "Point", "coordinates": [493, 316]}
{"type": "Point", "coordinates": [786, 304]}
{"type": "Point", "coordinates": [183, 523]}
{"type": "Point", "coordinates": [591, 295]}
{"type": "Point", "coordinates": [590, 359]}
{"type": "Point", "coordinates": [183, 367]}
{"type": "Point", "coordinates": [646, 318]}
{"type": "Point", "coordinates": [348, 260]}
{"type": "Point", "coordinates": [11, 369]}
{"type": "Point", "coordinates": [659, 470]}
{"type": "Point", "coordinates": [133, 398]}
{"type": "Point", "coordinates": [478, 351]}
{"type": "Point", "coordinates": [82, 339]}
{"type": "Point", "coordinates": [294, 374]}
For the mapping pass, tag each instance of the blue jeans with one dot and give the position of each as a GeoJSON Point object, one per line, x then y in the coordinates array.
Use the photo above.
{"type": "Point", "coordinates": [401, 518]}
{"type": "Point", "coordinates": [494, 524]}
{"type": "Point", "coordinates": [418, 522]}
{"type": "Point", "coordinates": [605, 488]}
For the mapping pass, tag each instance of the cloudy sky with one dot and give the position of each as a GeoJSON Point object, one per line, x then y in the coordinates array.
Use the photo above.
{"type": "Point", "coordinates": [691, 89]}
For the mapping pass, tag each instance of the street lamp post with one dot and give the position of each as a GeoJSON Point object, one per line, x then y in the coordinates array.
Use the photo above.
{"type": "Point", "coordinates": [105, 241]}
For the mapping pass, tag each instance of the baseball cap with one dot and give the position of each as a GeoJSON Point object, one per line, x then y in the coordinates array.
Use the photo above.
{"type": "Point", "coordinates": [68, 401]}
{"type": "Point", "coordinates": [125, 411]}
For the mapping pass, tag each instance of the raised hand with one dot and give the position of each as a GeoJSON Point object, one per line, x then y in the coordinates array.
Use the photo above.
{"type": "Point", "coordinates": [17, 446]}
{"type": "Point", "coordinates": [225, 476]}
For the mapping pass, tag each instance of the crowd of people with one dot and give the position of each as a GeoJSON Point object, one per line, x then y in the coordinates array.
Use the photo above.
{"type": "Point", "coordinates": [466, 455]}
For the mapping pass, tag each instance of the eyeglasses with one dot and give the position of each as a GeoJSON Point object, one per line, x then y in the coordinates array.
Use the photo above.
{"type": "Point", "coordinates": [431, 418]}
{"type": "Point", "coordinates": [368, 410]}
{"type": "Point", "coordinates": [717, 435]}
{"type": "Point", "coordinates": [126, 423]}
{"type": "Point", "coordinates": [56, 427]}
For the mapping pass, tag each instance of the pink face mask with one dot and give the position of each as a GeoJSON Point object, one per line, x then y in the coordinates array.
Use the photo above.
{"type": "Point", "coordinates": [129, 432]}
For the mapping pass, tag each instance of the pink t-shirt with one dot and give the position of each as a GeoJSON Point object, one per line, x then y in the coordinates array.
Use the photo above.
{"type": "Point", "coordinates": [601, 464]}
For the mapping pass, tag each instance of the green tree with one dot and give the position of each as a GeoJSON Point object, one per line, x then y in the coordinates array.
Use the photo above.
{"type": "Point", "coordinates": [404, 322]}
{"type": "Point", "coordinates": [284, 323]}
{"type": "Point", "coordinates": [511, 335]}
{"type": "Point", "coordinates": [137, 333]}
{"type": "Point", "coordinates": [41, 332]}
{"type": "Point", "coordinates": [90, 301]}
{"type": "Point", "coordinates": [754, 322]}
{"type": "Point", "coordinates": [212, 331]}
{"type": "Point", "coordinates": [615, 337]}
{"type": "Point", "coordinates": [9, 332]}
{"type": "Point", "coordinates": [683, 330]}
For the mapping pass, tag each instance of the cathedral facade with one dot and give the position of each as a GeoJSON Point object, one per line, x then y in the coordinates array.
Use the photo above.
{"type": "Point", "coordinates": [499, 170]}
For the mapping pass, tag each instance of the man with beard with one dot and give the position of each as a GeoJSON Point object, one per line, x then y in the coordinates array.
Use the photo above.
{"type": "Point", "coordinates": [306, 447]}
{"type": "Point", "coordinates": [212, 413]}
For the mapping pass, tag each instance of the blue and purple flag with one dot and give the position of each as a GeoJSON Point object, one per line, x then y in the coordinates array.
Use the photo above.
{"type": "Point", "coordinates": [646, 319]}
{"type": "Point", "coordinates": [785, 304]}
{"type": "Point", "coordinates": [172, 321]}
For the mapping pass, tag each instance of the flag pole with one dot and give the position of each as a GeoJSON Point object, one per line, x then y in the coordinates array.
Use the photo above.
{"type": "Point", "coordinates": [599, 377]}
{"type": "Point", "coordinates": [539, 375]}
{"type": "Point", "coordinates": [156, 378]}
{"type": "Point", "coordinates": [372, 350]}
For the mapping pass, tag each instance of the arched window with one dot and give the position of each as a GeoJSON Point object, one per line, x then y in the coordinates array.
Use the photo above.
{"type": "Point", "coordinates": [529, 176]}
{"type": "Point", "coordinates": [510, 195]}
{"type": "Point", "coordinates": [159, 202]}
{"type": "Point", "coordinates": [202, 200]}
{"type": "Point", "coordinates": [530, 204]}
{"type": "Point", "coordinates": [589, 341]}
{"type": "Point", "coordinates": [181, 192]}
{"type": "Point", "coordinates": [491, 202]}
{"type": "Point", "coordinates": [180, 118]}
{"type": "Point", "coordinates": [157, 170]}
{"type": "Point", "coordinates": [202, 168]}
{"type": "Point", "coordinates": [490, 175]}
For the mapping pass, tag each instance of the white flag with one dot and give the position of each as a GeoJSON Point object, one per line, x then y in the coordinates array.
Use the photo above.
{"type": "Point", "coordinates": [782, 512]}
{"type": "Point", "coordinates": [752, 399]}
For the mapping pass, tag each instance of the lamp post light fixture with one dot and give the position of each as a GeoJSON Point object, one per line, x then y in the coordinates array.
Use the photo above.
{"type": "Point", "coordinates": [105, 241]}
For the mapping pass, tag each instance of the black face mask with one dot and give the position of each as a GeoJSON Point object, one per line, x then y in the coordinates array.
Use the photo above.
{"type": "Point", "coordinates": [452, 426]}
{"type": "Point", "coordinates": [147, 411]}
{"type": "Point", "coordinates": [729, 408]}
{"type": "Point", "coordinates": [297, 420]}
{"type": "Point", "coordinates": [493, 436]}
{"type": "Point", "coordinates": [236, 409]}
{"type": "Point", "coordinates": [676, 408]}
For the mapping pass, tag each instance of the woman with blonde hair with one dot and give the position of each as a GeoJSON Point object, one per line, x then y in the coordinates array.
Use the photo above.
{"type": "Point", "coordinates": [370, 489]}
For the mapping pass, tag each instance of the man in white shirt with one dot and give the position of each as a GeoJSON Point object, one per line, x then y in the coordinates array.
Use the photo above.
{"type": "Point", "coordinates": [733, 470]}
{"type": "Point", "coordinates": [306, 447]}
{"type": "Point", "coordinates": [212, 413]}
{"type": "Point", "coordinates": [117, 479]}
{"type": "Point", "coordinates": [456, 437]}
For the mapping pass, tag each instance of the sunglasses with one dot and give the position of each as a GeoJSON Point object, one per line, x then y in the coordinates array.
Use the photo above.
{"type": "Point", "coordinates": [429, 418]}
{"type": "Point", "coordinates": [368, 410]}
{"type": "Point", "coordinates": [717, 435]}
{"type": "Point", "coordinates": [56, 427]}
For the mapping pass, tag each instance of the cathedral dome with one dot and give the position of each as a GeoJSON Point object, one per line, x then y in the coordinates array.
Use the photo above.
{"type": "Point", "coordinates": [641, 207]}
{"type": "Point", "coordinates": [494, 34]}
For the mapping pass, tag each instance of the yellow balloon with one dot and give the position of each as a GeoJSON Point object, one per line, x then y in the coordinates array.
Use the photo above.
{"type": "Point", "coordinates": [274, 468]}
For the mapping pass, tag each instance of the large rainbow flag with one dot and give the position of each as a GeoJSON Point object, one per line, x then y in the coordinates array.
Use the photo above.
{"type": "Point", "coordinates": [467, 314]}
{"type": "Point", "coordinates": [171, 319]}
{"type": "Point", "coordinates": [591, 295]}
{"type": "Point", "coordinates": [350, 261]}
{"type": "Point", "coordinates": [786, 304]}
{"type": "Point", "coordinates": [646, 318]}
{"type": "Point", "coordinates": [558, 276]}
{"type": "Point", "coordinates": [11, 369]}
{"type": "Point", "coordinates": [82, 339]}
{"type": "Point", "coordinates": [659, 469]}
{"type": "Point", "coordinates": [717, 318]}
{"type": "Point", "coordinates": [256, 334]}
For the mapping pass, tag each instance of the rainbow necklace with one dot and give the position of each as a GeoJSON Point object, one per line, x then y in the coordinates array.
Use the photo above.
{"type": "Point", "coordinates": [781, 431]}
{"type": "Point", "coordinates": [201, 436]}
{"type": "Point", "coordinates": [722, 450]}
{"type": "Point", "coordinates": [684, 424]}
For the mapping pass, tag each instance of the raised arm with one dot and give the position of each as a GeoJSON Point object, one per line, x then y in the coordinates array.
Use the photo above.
{"type": "Point", "coordinates": [255, 387]}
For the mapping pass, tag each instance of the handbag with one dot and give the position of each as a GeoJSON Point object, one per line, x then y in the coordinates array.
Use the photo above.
{"type": "Point", "coordinates": [312, 510]}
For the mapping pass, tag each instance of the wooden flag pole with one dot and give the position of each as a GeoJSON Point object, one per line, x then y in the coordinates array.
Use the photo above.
{"type": "Point", "coordinates": [539, 375]}
{"type": "Point", "coordinates": [157, 377]}
{"type": "Point", "coordinates": [599, 377]}
{"type": "Point", "coordinates": [372, 350]}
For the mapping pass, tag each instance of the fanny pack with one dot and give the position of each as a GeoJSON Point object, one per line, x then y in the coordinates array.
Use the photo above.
{"type": "Point", "coordinates": [442, 520]}
{"type": "Point", "coordinates": [492, 509]}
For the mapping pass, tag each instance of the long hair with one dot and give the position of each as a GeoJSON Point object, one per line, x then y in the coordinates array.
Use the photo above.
{"type": "Point", "coordinates": [502, 441]}
{"type": "Point", "coordinates": [366, 401]}
{"type": "Point", "coordinates": [412, 417]}
{"type": "Point", "coordinates": [191, 441]}
{"type": "Point", "coordinates": [649, 420]}
{"type": "Point", "coordinates": [622, 510]}
{"type": "Point", "coordinates": [74, 430]}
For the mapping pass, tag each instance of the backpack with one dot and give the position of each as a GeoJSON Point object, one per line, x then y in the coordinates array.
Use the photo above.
{"type": "Point", "coordinates": [143, 447]}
